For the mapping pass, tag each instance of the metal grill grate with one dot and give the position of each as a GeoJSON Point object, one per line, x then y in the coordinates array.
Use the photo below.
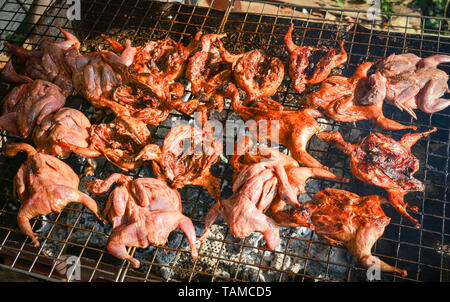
{"type": "Point", "coordinates": [302, 256]}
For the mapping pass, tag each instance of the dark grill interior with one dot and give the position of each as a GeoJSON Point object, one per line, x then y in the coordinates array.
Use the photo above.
{"type": "Point", "coordinates": [302, 256]}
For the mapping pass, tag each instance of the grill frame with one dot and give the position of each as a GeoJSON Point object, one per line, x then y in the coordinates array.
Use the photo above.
{"type": "Point", "coordinates": [391, 247]}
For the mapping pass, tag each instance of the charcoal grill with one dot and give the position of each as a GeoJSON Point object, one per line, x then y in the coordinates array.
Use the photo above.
{"type": "Point", "coordinates": [302, 256]}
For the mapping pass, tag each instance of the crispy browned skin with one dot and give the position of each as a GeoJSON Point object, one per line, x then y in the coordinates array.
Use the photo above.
{"type": "Point", "coordinates": [44, 184]}
{"type": "Point", "coordinates": [338, 96]}
{"type": "Point", "coordinates": [136, 82]}
{"type": "Point", "coordinates": [27, 105]}
{"type": "Point", "coordinates": [47, 61]}
{"type": "Point", "coordinates": [136, 100]}
{"type": "Point", "coordinates": [186, 157]}
{"type": "Point", "coordinates": [291, 128]}
{"type": "Point", "coordinates": [384, 162]}
{"type": "Point", "coordinates": [143, 211]}
{"type": "Point", "coordinates": [311, 65]}
{"type": "Point", "coordinates": [258, 73]}
{"type": "Point", "coordinates": [157, 63]}
{"type": "Point", "coordinates": [138, 103]}
{"type": "Point", "coordinates": [338, 216]}
{"type": "Point", "coordinates": [120, 141]}
{"type": "Point", "coordinates": [130, 83]}
{"type": "Point", "coordinates": [409, 82]}
{"type": "Point", "coordinates": [344, 218]}
{"type": "Point", "coordinates": [207, 70]}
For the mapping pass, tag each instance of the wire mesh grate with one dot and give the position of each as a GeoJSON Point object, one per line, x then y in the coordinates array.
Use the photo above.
{"type": "Point", "coordinates": [302, 256]}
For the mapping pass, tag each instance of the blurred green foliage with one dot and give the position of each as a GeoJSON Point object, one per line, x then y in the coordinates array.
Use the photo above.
{"type": "Point", "coordinates": [433, 8]}
{"type": "Point", "coordinates": [386, 5]}
{"type": "Point", "coordinates": [19, 36]}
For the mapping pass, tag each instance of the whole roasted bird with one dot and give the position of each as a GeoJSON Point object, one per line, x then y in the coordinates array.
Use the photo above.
{"type": "Point", "coordinates": [157, 63]}
{"type": "Point", "coordinates": [129, 84]}
{"type": "Point", "coordinates": [44, 184]}
{"type": "Point", "coordinates": [120, 141]}
{"type": "Point", "coordinates": [27, 105]}
{"type": "Point", "coordinates": [66, 125]}
{"type": "Point", "coordinates": [134, 101]}
{"type": "Point", "coordinates": [47, 62]}
{"type": "Point", "coordinates": [339, 98]}
{"type": "Point", "coordinates": [247, 154]}
{"type": "Point", "coordinates": [344, 218]}
{"type": "Point", "coordinates": [255, 71]}
{"type": "Point", "coordinates": [254, 189]}
{"type": "Point", "coordinates": [186, 157]}
{"type": "Point", "coordinates": [207, 70]}
{"type": "Point", "coordinates": [143, 211]}
{"type": "Point", "coordinates": [165, 59]}
{"type": "Point", "coordinates": [311, 65]}
{"type": "Point", "coordinates": [409, 82]}
{"type": "Point", "coordinates": [270, 122]}
{"type": "Point", "coordinates": [384, 162]}
{"type": "Point", "coordinates": [96, 75]}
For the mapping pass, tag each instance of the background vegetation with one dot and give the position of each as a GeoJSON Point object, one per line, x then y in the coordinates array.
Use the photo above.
{"type": "Point", "coordinates": [433, 8]}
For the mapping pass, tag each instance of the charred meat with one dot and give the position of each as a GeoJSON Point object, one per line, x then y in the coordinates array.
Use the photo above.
{"type": "Point", "coordinates": [311, 65]}
{"type": "Point", "coordinates": [120, 141]}
{"type": "Point", "coordinates": [258, 73]}
{"type": "Point", "coordinates": [384, 162]}
{"type": "Point", "coordinates": [157, 63]}
{"type": "Point", "coordinates": [344, 218]}
{"type": "Point", "coordinates": [207, 70]}
{"type": "Point", "coordinates": [186, 157]}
